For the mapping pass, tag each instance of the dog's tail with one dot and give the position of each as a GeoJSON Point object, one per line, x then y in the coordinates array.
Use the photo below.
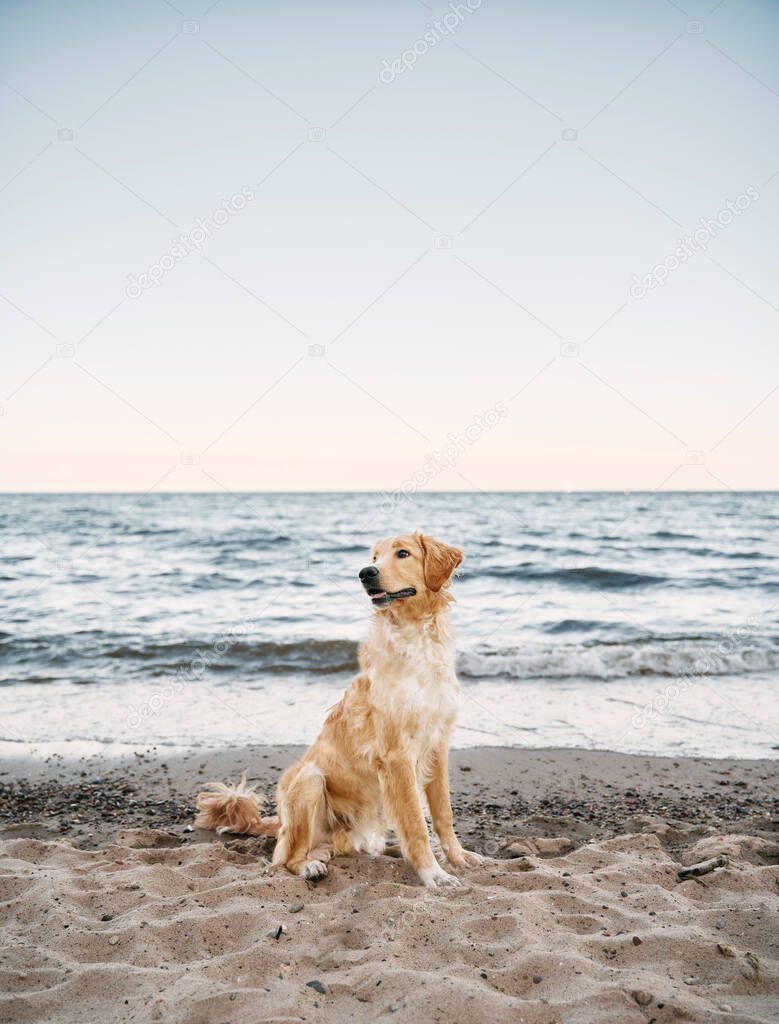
{"type": "Point", "coordinates": [234, 809]}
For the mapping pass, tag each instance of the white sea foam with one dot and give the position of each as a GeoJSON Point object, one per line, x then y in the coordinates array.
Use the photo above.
{"type": "Point", "coordinates": [714, 657]}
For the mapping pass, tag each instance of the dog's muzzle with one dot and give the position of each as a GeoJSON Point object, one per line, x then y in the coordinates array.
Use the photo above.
{"type": "Point", "coordinates": [369, 577]}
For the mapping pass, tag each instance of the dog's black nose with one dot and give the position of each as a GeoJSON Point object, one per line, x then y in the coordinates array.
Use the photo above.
{"type": "Point", "coordinates": [370, 572]}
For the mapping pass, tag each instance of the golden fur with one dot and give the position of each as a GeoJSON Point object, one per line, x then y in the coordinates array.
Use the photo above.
{"type": "Point", "coordinates": [384, 743]}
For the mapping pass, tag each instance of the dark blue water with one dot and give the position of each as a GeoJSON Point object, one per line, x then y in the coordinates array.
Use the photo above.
{"type": "Point", "coordinates": [566, 601]}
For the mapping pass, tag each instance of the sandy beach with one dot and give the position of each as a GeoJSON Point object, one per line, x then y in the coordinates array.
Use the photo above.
{"type": "Point", "coordinates": [113, 908]}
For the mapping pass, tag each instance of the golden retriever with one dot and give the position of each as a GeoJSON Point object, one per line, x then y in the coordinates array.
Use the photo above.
{"type": "Point", "coordinates": [386, 740]}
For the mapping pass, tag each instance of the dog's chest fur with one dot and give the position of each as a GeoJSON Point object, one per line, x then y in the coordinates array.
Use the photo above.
{"type": "Point", "coordinates": [413, 682]}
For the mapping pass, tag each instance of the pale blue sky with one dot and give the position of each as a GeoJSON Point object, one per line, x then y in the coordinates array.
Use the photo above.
{"type": "Point", "coordinates": [452, 237]}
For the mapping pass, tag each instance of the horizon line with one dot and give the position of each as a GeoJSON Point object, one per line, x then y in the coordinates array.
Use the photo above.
{"type": "Point", "coordinates": [414, 494]}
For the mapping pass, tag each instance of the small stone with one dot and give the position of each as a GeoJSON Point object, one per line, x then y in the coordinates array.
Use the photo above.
{"type": "Point", "coordinates": [754, 963]}
{"type": "Point", "coordinates": [537, 979]}
{"type": "Point", "coordinates": [276, 933]}
{"type": "Point", "coordinates": [691, 980]}
{"type": "Point", "coordinates": [641, 997]}
{"type": "Point", "coordinates": [637, 941]}
{"type": "Point", "coordinates": [295, 908]}
{"type": "Point", "coordinates": [726, 950]}
{"type": "Point", "coordinates": [726, 1007]}
{"type": "Point", "coordinates": [114, 940]}
{"type": "Point", "coordinates": [107, 917]}
{"type": "Point", "coordinates": [317, 986]}
{"type": "Point", "coordinates": [719, 924]}
{"type": "Point", "coordinates": [544, 846]}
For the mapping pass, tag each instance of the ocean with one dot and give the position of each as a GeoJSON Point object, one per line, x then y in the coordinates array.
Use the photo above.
{"type": "Point", "coordinates": [644, 622]}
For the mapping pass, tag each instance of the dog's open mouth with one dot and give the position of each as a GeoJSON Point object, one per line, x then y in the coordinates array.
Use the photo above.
{"type": "Point", "coordinates": [381, 598]}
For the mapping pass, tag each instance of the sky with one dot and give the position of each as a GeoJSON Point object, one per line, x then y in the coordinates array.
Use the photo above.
{"type": "Point", "coordinates": [474, 246]}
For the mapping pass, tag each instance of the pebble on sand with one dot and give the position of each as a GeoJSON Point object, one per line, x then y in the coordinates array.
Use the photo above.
{"type": "Point", "coordinates": [641, 997]}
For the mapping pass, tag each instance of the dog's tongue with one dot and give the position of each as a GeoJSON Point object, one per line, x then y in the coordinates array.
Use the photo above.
{"type": "Point", "coordinates": [375, 597]}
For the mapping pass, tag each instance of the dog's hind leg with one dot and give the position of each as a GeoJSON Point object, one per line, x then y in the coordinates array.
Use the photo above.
{"type": "Point", "coordinates": [315, 865]}
{"type": "Point", "coordinates": [304, 843]}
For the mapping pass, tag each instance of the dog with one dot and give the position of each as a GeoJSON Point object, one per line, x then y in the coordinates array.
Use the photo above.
{"type": "Point", "coordinates": [383, 744]}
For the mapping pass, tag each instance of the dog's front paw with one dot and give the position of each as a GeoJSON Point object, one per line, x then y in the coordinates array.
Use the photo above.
{"type": "Point", "coordinates": [460, 858]}
{"type": "Point", "coordinates": [313, 870]}
{"type": "Point", "coordinates": [436, 877]}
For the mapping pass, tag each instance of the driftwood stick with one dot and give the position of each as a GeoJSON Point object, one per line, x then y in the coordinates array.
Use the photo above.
{"type": "Point", "coordinates": [703, 868]}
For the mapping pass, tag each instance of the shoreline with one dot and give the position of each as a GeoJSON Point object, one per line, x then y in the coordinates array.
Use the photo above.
{"type": "Point", "coordinates": [594, 793]}
{"type": "Point", "coordinates": [652, 716]}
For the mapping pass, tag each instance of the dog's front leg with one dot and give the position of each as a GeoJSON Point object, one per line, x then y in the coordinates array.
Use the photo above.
{"type": "Point", "coordinates": [440, 803]}
{"type": "Point", "coordinates": [404, 809]}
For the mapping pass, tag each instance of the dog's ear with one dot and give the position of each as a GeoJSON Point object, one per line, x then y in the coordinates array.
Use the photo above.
{"type": "Point", "coordinates": [440, 561]}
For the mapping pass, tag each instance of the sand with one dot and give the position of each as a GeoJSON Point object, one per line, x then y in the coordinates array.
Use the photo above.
{"type": "Point", "coordinates": [579, 915]}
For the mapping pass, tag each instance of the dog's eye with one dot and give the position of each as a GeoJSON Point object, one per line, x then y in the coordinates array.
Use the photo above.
{"type": "Point", "coordinates": [403, 553]}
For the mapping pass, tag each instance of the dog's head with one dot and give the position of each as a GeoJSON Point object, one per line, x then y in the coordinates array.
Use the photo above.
{"type": "Point", "coordinates": [411, 566]}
